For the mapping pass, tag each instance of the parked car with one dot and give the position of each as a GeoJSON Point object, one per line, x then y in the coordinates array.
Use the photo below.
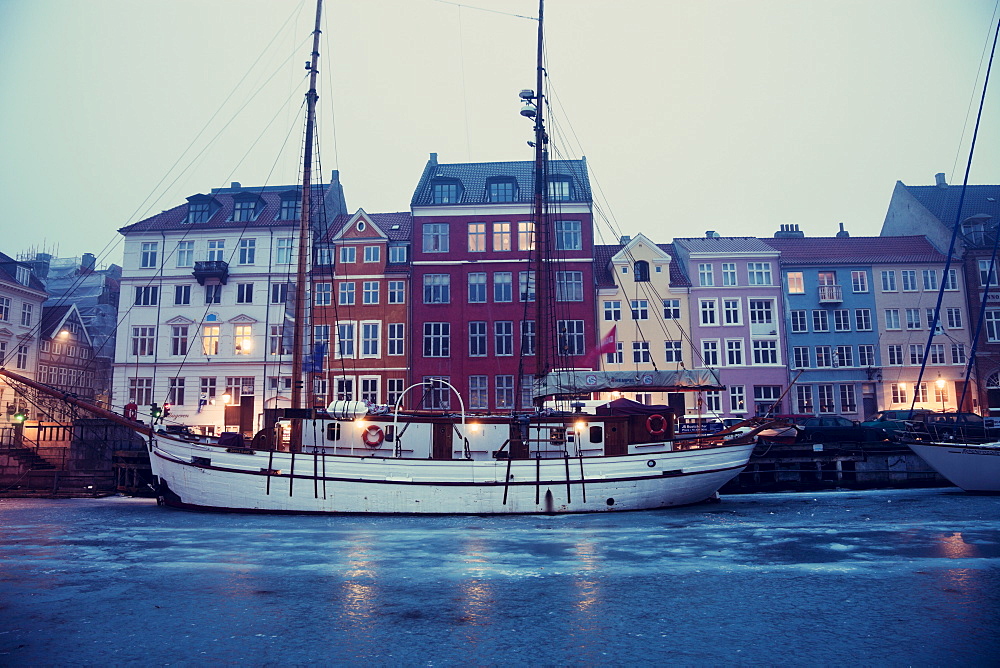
{"type": "Point", "coordinates": [893, 421]}
{"type": "Point", "coordinates": [954, 427]}
{"type": "Point", "coordinates": [834, 428]}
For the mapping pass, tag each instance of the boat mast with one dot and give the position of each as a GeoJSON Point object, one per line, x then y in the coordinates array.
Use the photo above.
{"type": "Point", "coordinates": [299, 342]}
{"type": "Point", "coordinates": [543, 326]}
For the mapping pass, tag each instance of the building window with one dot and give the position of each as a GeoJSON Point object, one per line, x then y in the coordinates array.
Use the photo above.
{"type": "Point", "coordinates": [909, 277]}
{"type": "Point", "coordinates": [244, 293]}
{"type": "Point", "coordinates": [503, 288]}
{"type": "Point", "coordinates": [936, 355]}
{"type": "Point", "coordinates": [477, 288]}
{"type": "Point", "coordinates": [373, 254]}
{"type": "Point", "coordinates": [958, 353]}
{"type": "Point", "coordinates": [526, 235]}
{"type": "Point", "coordinates": [859, 281]}
{"type": "Point", "coordinates": [898, 393]}
{"type": "Point", "coordinates": [707, 308]}
{"type": "Point", "coordinates": [435, 238]}
{"type": "Point", "coordinates": [394, 390]}
{"type": "Point", "coordinates": [210, 340]}
{"type": "Point", "coordinates": [913, 318]}
{"type": "Point", "coordinates": [798, 318]}
{"type": "Point", "coordinates": [930, 279]}
{"type": "Point", "coordinates": [821, 321]}
{"type": "Point", "coordinates": [145, 295]}
{"type": "Point", "coordinates": [759, 273]}
{"type": "Point", "coordinates": [734, 352]}
{"type": "Point", "coordinates": [844, 356]}
{"type": "Point", "coordinates": [992, 318]}
{"type": "Point", "coordinates": [826, 400]}
{"type": "Point", "coordinates": [185, 253]}
{"type": "Point", "coordinates": [323, 294]}
{"type": "Point", "coordinates": [198, 212]}
{"type": "Point", "coordinates": [709, 352]}
{"type": "Point", "coordinates": [559, 189]}
{"type": "Point", "coordinates": [866, 355]}
{"type": "Point", "coordinates": [571, 337]}
{"type": "Point", "coordinates": [731, 312]}
{"type": "Point", "coordinates": [213, 294]}
{"type": "Point", "coordinates": [954, 316]}
{"type": "Point", "coordinates": [437, 339]}
{"type": "Point", "coordinates": [916, 353]}
{"type": "Point", "coordinates": [345, 389]}
{"type": "Point", "coordinates": [729, 274]}
{"type": "Point", "coordinates": [397, 254]}
{"type": "Point", "coordinates": [796, 285]}
{"type": "Point", "coordinates": [894, 354]}
{"type": "Point", "coordinates": [640, 352]}
{"type": "Point", "coordinates": [569, 235]}
{"type": "Point", "coordinates": [673, 352]}
{"type": "Point", "coordinates": [248, 251]}
{"type": "Point", "coordinates": [206, 388]}
{"type": "Point", "coordinates": [348, 254]}
{"type": "Point", "coordinates": [397, 292]}
{"type": "Point", "coordinates": [761, 312]}
{"type": "Point", "coordinates": [671, 309]}
{"type": "Point", "coordinates": [824, 357]}
{"type": "Point", "coordinates": [526, 286]}
{"type": "Point", "coordinates": [800, 357]}
{"type": "Point", "coordinates": [396, 335]}
{"type": "Point", "coordinates": [217, 250]}
{"type": "Point", "coordinates": [863, 319]}
{"type": "Point", "coordinates": [370, 336]}
{"type": "Point", "coordinates": [276, 341]}
{"type": "Point", "coordinates": [444, 193]}
{"type": "Point", "coordinates": [244, 210]}
{"type": "Point", "coordinates": [951, 280]}
{"type": "Point", "coordinates": [243, 339]}
{"type": "Point", "coordinates": [143, 341]}
{"type": "Point", "coordinates": [182, 295]}
{"type": "Point", "coordinates": [612, 311]}
{"type": "Point", "coordinates": [528, 337]}
{"type": "Point", "coordinates": [5, 309]}
{"type": "Point", "coordinates": [291, 209]}
{"type": "Point", "coordinates": [437, 395]}
{"type": "Point", "coordinates": [501, 191]}
{"type": "Point", "coordinates": [369, 390]}
{"type": "Point", "coordinates": [279, 293]}
{"type": "Point", "coordinates": [888, 281]}
{"type": "Point", "coordinates": [713, 401]}
{"type": "Point", "coordinates": [705, 276]}
{"type": "Point", "coordinates": [370, 293]}
{"type": "Point", "coordinates": [640, 309]}
{"type": "Point", "coordinates": [26, 314]}
{"type": "Point", "coordinates": [477, 237]}
{"type": "Point", "coordinates": [437, 288]}
{"type": "Point", "coordinates": [503, 338]}
{"type": "Point", "coordinates": [842, 320]}
{"type": "Point", "coordinates": [140, 391]}
{"type": "Point", "coordinates": [175, 394]}
{"type": "Point", "coordinates": [737, 398]}
{"type": "Point", "coordinates": [765, 351]}
{"type": "Point", "coordinates": [345, 294]}
{"type": "Point", "coordinates": [892, 318]}
{"type": "Point", "coordinates": [640, 271]}
{"type": "Point", "coordinates": [147, 256]}
{"type": "Point", "coordinates": [479, 392]}
{"type": "Point", "coordinates": [21, 359]}
{"type": "Point", "coordinates": [179, 340]}
{"type": "Point", "coordinates": [477, 339]}
{"type": "Point", "coordinates": [501, 237]}
{"type": "Point", "coordinates": [345, 339]}
{"type": "Point", "coordinates": [283, 251]}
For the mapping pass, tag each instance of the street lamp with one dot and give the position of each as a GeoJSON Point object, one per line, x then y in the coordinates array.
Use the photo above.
{"type": "Point", "coordinates": [940, 387]}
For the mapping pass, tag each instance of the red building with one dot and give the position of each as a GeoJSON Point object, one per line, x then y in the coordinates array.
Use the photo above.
{"type": "Point", "coordinates": [474, 312]}
{"type": "Point", "coordinates": [360, 293]}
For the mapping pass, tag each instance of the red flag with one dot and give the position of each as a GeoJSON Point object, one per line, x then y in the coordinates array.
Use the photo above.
{"type": "Point", "coordinates": [607, 345]}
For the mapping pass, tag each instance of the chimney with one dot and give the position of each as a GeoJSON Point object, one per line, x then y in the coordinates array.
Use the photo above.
{"type": "Point", "coordinates": [235, 185]}
{"type": "Point", "coordinates": [40, 265]}
{"type": "Point", "coordinates": [88, 262]}
{"type": "Point", "coordinates": [939, 178]}
{"type": "Point", "coordinates": [788, 231]}
{"type": "Point", "coordinates": [434, 158]}
{"type": "Point", "coordinates": [624, 240]}
{"type": "Point", "coordinates": [843, 234]}
{"type": "Point", "coordinates": [711, 234]}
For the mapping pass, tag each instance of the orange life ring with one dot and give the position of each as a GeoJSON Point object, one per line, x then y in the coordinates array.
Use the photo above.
{"type": "Point", "coordinates": [373, 436]}
{"type": "Point", "coordinates": [663, 425]}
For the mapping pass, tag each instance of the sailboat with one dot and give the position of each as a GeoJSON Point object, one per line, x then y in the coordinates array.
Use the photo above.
{"type": "Point", "coordinates": [350, 458]}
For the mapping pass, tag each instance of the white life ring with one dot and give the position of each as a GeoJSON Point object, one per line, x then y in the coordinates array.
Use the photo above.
{"type": "Point", "coordinates": [373, 436]}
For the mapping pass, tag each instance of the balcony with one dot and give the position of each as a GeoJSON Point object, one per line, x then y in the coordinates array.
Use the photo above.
{"type": "Point", "coordinates": [831, 294]}
{"type": "Point", "coordinates": [211, 269]}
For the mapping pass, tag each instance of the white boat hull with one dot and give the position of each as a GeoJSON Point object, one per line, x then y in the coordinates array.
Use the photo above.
{"type": "Point", "coordinates": [973, 467]}
{"type": "Point", "coordinates": [199, 476]}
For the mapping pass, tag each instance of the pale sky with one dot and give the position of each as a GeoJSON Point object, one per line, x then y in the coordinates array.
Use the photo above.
{"type": "Point", "coordinates": [725, 115]}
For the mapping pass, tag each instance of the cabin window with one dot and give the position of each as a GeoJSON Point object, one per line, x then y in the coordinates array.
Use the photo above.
{"type": "Point", "coordinates": [596, 434]}
{"type": "Point", "coordinates": [333, 431]}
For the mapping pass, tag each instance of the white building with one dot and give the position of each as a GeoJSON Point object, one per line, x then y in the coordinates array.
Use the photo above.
{"type": "Point", "coordinates": [204, 290]}
{"type": "Point", "coordinates": [21, 298]}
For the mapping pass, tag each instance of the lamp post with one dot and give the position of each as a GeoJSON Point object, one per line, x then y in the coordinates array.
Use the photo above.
{"type": "Point", "coordinates": [940, 386]}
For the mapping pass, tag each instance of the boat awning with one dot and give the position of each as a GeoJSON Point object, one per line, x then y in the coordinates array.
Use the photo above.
{"type": "Point", "coordinates": [578, 382]}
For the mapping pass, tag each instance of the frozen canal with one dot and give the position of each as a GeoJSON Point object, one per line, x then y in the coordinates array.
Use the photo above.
{"type": "Point", "coordinates": [891, 578]}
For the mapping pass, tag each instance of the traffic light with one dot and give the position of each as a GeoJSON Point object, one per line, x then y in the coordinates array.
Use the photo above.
{"type": "Point", "coordinates": [21, 415]}
{"type": "Point", "coordinates": [166, 410]}
{"type": "Point", "coordinates": [155, 411]}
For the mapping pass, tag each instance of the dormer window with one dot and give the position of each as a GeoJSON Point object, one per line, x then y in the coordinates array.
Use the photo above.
{"type": "Point", "coordinates": [446, 191]}
{"type": "Point", "coordinates": [201, 208]}
{"type": "Point", "coordinates": [559, 189]}
{"type": "Point", "coordinates": [641, 274]}
{"type": "Point", "coordinates": [501, 190]}
{"type": "Point", "coordinates": [291, 208]}
{"type": "Point", "coordinates": [245, 208]}
{"type": "Point", "coordinates": [23, 275]}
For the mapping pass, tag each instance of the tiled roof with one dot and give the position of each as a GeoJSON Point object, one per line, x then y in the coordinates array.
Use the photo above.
{"type": "Point", "coordinates": [724, 245]}
{"type": "Point", "coordinates": [473, 177]}
{"type": "Point", "coordinates": [604, 277]}
{"type": "Point", "coordinates": [327, 198]}
{"type": "Point", "coordinates": [855, 250]}
{"type": "Point", "coordinates": [52, 317]}
{"type": "Point", "coordinates": [943, 201]}
{"type": "Point", "coordinates": [402, 221]}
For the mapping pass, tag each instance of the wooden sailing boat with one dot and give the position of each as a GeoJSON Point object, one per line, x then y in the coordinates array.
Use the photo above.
{"type": "Point", "coordinates": [349, 460]}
